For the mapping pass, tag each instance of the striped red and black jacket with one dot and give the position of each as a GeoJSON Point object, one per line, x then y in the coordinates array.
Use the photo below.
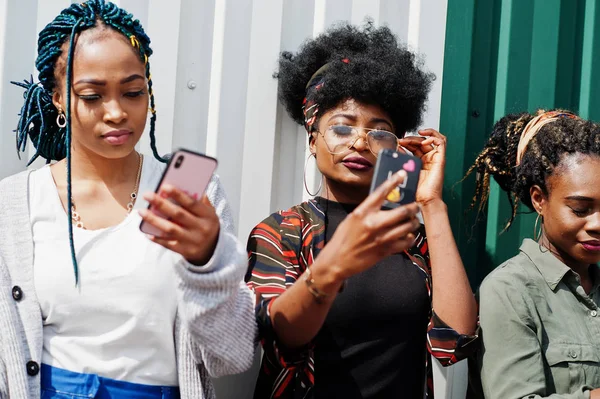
{"type": "Point", "coordinates": [280, 248]}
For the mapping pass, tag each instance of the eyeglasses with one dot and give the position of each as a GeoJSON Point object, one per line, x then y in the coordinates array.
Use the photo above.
{"type": "Point", "coordinates": [340, 138]}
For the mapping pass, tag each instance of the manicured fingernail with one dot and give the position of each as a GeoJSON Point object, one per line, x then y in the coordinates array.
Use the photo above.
{"type": "Point", "coordinates": [148, 196]}
{"type": "Point", "coordinates": [143, 212]}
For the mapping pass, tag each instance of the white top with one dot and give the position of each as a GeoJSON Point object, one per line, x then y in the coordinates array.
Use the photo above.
{"type": "Point", "coordinates": [215, 328]}
{"type": "Point", "coordinates": [119, 322]}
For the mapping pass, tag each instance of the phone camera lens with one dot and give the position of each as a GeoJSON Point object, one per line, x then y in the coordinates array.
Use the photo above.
{"type": "Point", "coordinates": [178, 161]}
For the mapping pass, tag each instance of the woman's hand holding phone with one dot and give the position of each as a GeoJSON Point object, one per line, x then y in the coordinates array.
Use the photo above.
{"type": "Point", "coordinates": [191, 227]}
{"type": "Point", "coordinates": [367, 235]}
{"type": "Point", "coordinates": [430, 147]}
{"type": "Point", "coordinates": [179, 216]}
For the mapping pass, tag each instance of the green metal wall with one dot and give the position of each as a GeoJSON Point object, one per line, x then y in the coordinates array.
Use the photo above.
{"type": "Point", "coordinates": [504, 56]}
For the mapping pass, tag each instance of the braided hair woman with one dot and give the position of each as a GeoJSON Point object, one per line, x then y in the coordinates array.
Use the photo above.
{"type": "Point", "coordinates": [345, 290]}
{"type": "Point", "coordinates": [539, 310]}
{"type": "Point", "coordinates": [90, 306]}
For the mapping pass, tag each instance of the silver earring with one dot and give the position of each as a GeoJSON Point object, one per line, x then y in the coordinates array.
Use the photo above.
{"type": "Point", "coordinates": [537, 227]}
{"type": "Point", "coordinates": [305, 184]}
{"type": "Point", "coordinates": [61, 119]}
{"type": "Point", "coordinates": [538, 231]}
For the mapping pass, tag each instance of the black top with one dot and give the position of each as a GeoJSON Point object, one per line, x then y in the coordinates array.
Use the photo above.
{"type": "Point", "coordinates": [372, 344]}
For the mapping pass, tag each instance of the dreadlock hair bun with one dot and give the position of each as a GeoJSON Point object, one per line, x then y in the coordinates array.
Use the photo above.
{"type": "Point", "coordinates": [542, 155]}
{"type": "Point", "coordinates": [366, 64]}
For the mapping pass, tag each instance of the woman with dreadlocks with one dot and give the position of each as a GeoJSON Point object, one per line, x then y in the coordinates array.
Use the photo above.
{"type": "Point", "coordinates": [345, 290]}
{"type": "Point", "coordinates": [89, 305]}
{"type": "Point", "coordinates": [539, 313]}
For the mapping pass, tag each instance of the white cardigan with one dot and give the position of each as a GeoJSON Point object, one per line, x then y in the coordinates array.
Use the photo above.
{"type": "Point", "coordinates": [215, 330]}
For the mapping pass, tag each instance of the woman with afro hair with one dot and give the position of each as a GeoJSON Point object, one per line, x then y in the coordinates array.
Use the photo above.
{"type": "Point", "coordinates": [345, 291]}
{"type": "Point", "coordinates": [539, 313]}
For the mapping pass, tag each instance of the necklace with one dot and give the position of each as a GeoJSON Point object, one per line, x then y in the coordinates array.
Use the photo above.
{"type": "Point", "coordinates": [76, 217]}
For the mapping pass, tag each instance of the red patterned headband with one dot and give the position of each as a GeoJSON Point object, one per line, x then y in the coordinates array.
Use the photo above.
{"type": "Point", "coordinates": [310, 108]}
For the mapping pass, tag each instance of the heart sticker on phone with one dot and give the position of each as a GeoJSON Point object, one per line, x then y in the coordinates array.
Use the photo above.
{"type": "Point", "coordinates": [409, 166]}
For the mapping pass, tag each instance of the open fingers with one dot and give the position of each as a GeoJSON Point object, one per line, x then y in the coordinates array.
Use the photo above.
{"type": "Point", "coordinates": [433, 144]}
{"type": "Point", "coordinates": [170, 210]}
{"type": "Point", "coordinates": [166, 242]}
{"type": "Point", "coordinates": [169, 229]}
{"type": "Point", "coordinates": [192, 202]}
{"type": "Point", "coordinates": [430, 133]}
{"type": "Point", "coordinates": [385, 219]}
{"type": "Point", "coordinates": [415, 150]}
{"type": "Point", "coordinates": [430, 141]}
{"type": "Point", "coordinates": [411, 141]}
{"type": "Point", "coordinates": [433, 134]}
{"type": "Point", "coordinates": [377, 197]}
{"type": "Point", "coordinates": [184, 199]}
{"type": "Point", "coordinates": [436, 141]}
{"type": "Point", "coordinates": [414, 144]}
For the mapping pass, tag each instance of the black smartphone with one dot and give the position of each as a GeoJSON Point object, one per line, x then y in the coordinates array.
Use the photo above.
{"type": "Point", "coordinates": [390, 162]}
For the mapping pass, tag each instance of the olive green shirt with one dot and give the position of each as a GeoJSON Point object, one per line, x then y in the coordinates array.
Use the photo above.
{"type": "Point", "coordinates": [540, 330]}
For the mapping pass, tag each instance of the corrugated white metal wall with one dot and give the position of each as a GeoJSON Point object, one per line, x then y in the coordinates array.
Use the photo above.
{"type": "Point", "coordinates": [212, 69]}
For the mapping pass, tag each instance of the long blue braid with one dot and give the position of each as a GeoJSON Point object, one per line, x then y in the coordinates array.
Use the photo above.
{"type": "Point", "coordinates": [38, 115]}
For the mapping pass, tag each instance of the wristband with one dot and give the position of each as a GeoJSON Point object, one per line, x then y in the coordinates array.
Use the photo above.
{"type": "Point", "coordinates": [319, 295]}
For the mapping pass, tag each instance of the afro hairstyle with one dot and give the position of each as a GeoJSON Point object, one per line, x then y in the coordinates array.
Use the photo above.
{"type": "Point", "coordinates": [366, 64]}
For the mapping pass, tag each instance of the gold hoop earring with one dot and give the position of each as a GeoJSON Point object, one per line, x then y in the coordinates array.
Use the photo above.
{"type": "Point", "coordinates": [304, 178]}
{"type": "Point", "coordinates": [537, 234]}
{"type": "Point", "coordinates": [61, 119]}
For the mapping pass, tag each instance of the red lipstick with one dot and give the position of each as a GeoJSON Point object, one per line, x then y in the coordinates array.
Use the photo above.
{"type": "Point", "coordinates": [592, 245]}
{"type": "Point", "coordinates": [357, 163]}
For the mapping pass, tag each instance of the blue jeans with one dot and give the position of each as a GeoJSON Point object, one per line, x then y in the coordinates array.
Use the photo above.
{"type": "Point", "coordinates": [63, 384]}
